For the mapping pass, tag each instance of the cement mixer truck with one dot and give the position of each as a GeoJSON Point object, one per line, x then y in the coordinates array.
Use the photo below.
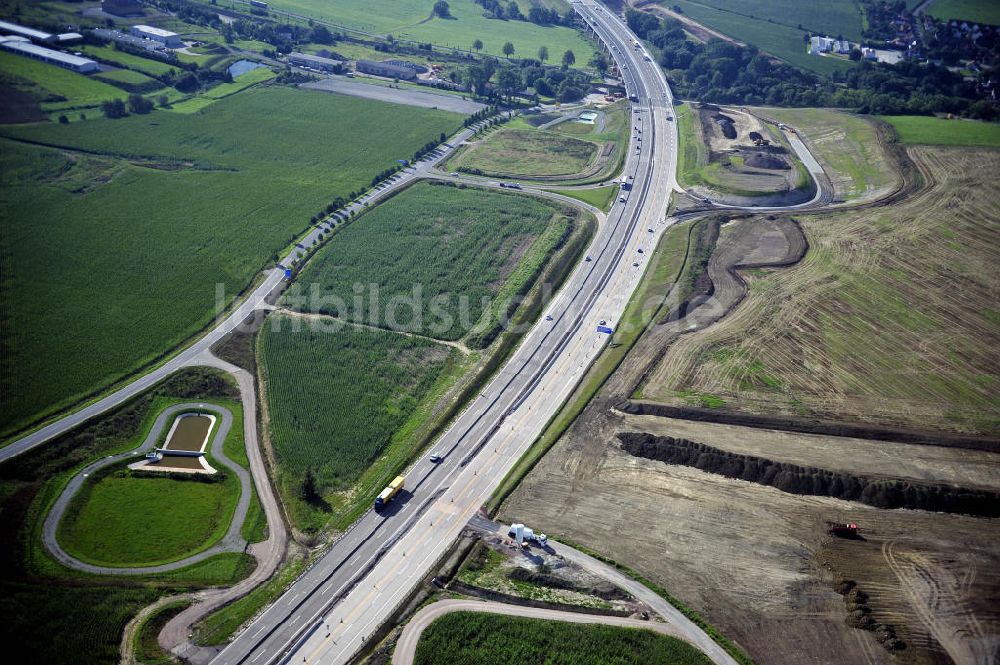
{"type": "Point", "coordinates": [523, 534]}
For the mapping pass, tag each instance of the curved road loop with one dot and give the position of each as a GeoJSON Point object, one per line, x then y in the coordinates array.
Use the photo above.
{"type": "Point", "coordinates": [407, 645]}
{"type": "Point", "coordinates": [231, 542]}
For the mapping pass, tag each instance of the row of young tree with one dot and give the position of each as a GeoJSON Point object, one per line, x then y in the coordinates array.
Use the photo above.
{"type": "Point", "coordinates": [724, 73]}
{"type": "Point", "coordinates": [796, 479]}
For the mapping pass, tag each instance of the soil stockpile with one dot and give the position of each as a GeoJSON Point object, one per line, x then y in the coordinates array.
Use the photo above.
{"type": "Point", "coordinates": [795, 479]}
{"type": "Point", "coordinates": [760, 160]}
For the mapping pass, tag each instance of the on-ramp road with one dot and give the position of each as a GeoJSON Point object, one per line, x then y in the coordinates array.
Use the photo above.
{"type": "Point", "coordinates": [328, 613]}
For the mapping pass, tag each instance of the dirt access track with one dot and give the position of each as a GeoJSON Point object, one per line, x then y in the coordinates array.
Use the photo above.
{"type": "Point", "coordinates": [758, 562]}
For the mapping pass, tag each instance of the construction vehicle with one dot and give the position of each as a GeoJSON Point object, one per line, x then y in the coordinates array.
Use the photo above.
{"type": "Point", "coordinates": [522, 534]}
{"type": "Point", "coordinates": [842, 529]}
{"type": "Point", "coordinates": [390, 491]}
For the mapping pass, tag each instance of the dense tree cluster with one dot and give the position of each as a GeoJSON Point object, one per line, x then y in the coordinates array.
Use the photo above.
{"type": "Point", "coordinates": [537, 14]}
{"type": "Point", "coordinates": [566, 85]}
{"type": "Point", "coordinates": [796, 479]}
{"type": "Point", "coordinates": [725, 73]}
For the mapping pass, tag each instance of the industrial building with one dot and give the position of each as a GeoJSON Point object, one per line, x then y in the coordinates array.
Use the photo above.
{"type": "Point", "coordinates": [387, 70]}
{"type": "Point", "coordinates": [315, 62]}
{"type": "Point", "coordinates": [38, 36]}
{"type": "Point", "coordinates": [58, 58]}
{"type": "Point", "coordinates": [165, 37]}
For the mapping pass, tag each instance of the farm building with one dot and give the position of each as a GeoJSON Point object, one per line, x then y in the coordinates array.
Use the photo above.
{"type": "Point", "coordinates": [389, 70]}
{"type": "Point", "coordinates": [818, 45]}
{"type": "Point", "coordinates": [165, 37]}
{"type": "Point", "coordinates": [58, 58]}
{"type": "Point", "coordinates": [22, 31]}
{"type": "Point", "coordinates": [315, 62]}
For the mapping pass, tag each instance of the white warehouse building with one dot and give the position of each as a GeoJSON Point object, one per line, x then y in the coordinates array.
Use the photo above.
{"type": "Point", "coordinates": [165, 37]}
{"type": "Point", "coordinates": [58, 58]}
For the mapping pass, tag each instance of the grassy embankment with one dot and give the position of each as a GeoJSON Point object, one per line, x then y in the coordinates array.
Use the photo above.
{"type": "Point", "coordinates": [492, 639]}
{"type": "Point", "coordinates": [255, 164]}
{"type": "Point", "coordinates": [411, 19]}
{"type": "Point", "coordinates": [924, 130]}
{"type": "Point", "coordinates": [780, 26]}
{"type": "Point", "coordinates": [521, 150]}
{"type": "Point", "coordinates": [847, 144]}
{"type": "Point", "coordinates": [468, 252]}
{"type": "Point", "coordinates": [599, 197]}
{"type": "Point", "coordinates": [843, 335]}
{"type": "Point", "coordinates": [39, 596]}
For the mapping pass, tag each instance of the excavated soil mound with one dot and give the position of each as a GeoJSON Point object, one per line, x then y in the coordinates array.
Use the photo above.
{"type": "Point", "coordinates": [760, 160]}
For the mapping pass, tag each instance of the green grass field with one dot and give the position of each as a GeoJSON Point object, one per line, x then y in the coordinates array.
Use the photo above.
{"type": "Point", "coordinates": [443, 244]}
{"type": "Point", "coordinates": [408, 19]}
{"type": "Point", "coordinates": [847, 143]}
{"type": "Point", "coordinates": [123, 520]}
{"type": "Point", "coordinates": [527, 153]}
{"type": "Point", "coordinates": [599, 197]}
{"type": "Point", "coordinates": [980, 11]}
{"type": "Point", "coordinates": [915, 129]}
{"type": "Point", "coordinates": [126, 76]}
{"type": "Point", "coordinates": [56, 87]}
{"type": "Point", "coordinates": [220, 192]}
{"type": "Point", "coordinates": [461, 638]}
{"type": "Point", "coordinates": [692, 154]}
{"type": "Point", "coordinates": [780, 36]}
{"type": "Point", "coordinates": [145, 65]}
{"type": "Point", "coordinates": [337, 399]}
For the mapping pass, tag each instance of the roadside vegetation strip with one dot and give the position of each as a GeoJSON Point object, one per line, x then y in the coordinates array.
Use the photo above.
{"type": "Point", "coordinates": [644, 307]}
{"type": "Point", "coordinates": [926, 130]}
{"type": "Point", "coordinates": [259, 197]}
{"type": "Point", "coordinates": [691, 146]}
{"type": "Point", "coordinates": [220, 626]}
{"type": "Point", "coordinates": [498, 639]}
{"type": "Point", "coordinates": [40, 596]}
{"type": "Point", "coordinates": [599, 197]}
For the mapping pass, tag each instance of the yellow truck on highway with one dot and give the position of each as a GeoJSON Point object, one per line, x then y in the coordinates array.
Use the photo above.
{"type": "Point", "coordinates": [390, 491]}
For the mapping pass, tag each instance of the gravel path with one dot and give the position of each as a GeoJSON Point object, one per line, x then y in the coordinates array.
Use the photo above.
{"type": "Point", "coordinates": [231, 542]}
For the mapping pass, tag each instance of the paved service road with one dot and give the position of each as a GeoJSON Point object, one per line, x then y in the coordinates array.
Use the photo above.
{"type": "Point", "coordinates": [407, 645]}
{"type": "Point", "coordinates": [231, 542]}
{"type": "Point", "coordinates": [358, 584]}
{"type": "Point", "coordinates": [402, 95]}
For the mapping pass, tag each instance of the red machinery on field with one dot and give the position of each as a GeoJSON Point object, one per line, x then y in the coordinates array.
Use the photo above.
{"type": "Point", "coordinates": [842, 529]}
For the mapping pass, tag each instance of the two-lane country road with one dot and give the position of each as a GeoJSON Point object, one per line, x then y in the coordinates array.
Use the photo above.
{"type": "Point", "coordinates": [329, 612]}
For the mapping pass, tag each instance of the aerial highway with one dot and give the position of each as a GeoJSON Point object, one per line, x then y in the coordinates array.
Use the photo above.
{"type": "Point", "coordinates": [334, 607]}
